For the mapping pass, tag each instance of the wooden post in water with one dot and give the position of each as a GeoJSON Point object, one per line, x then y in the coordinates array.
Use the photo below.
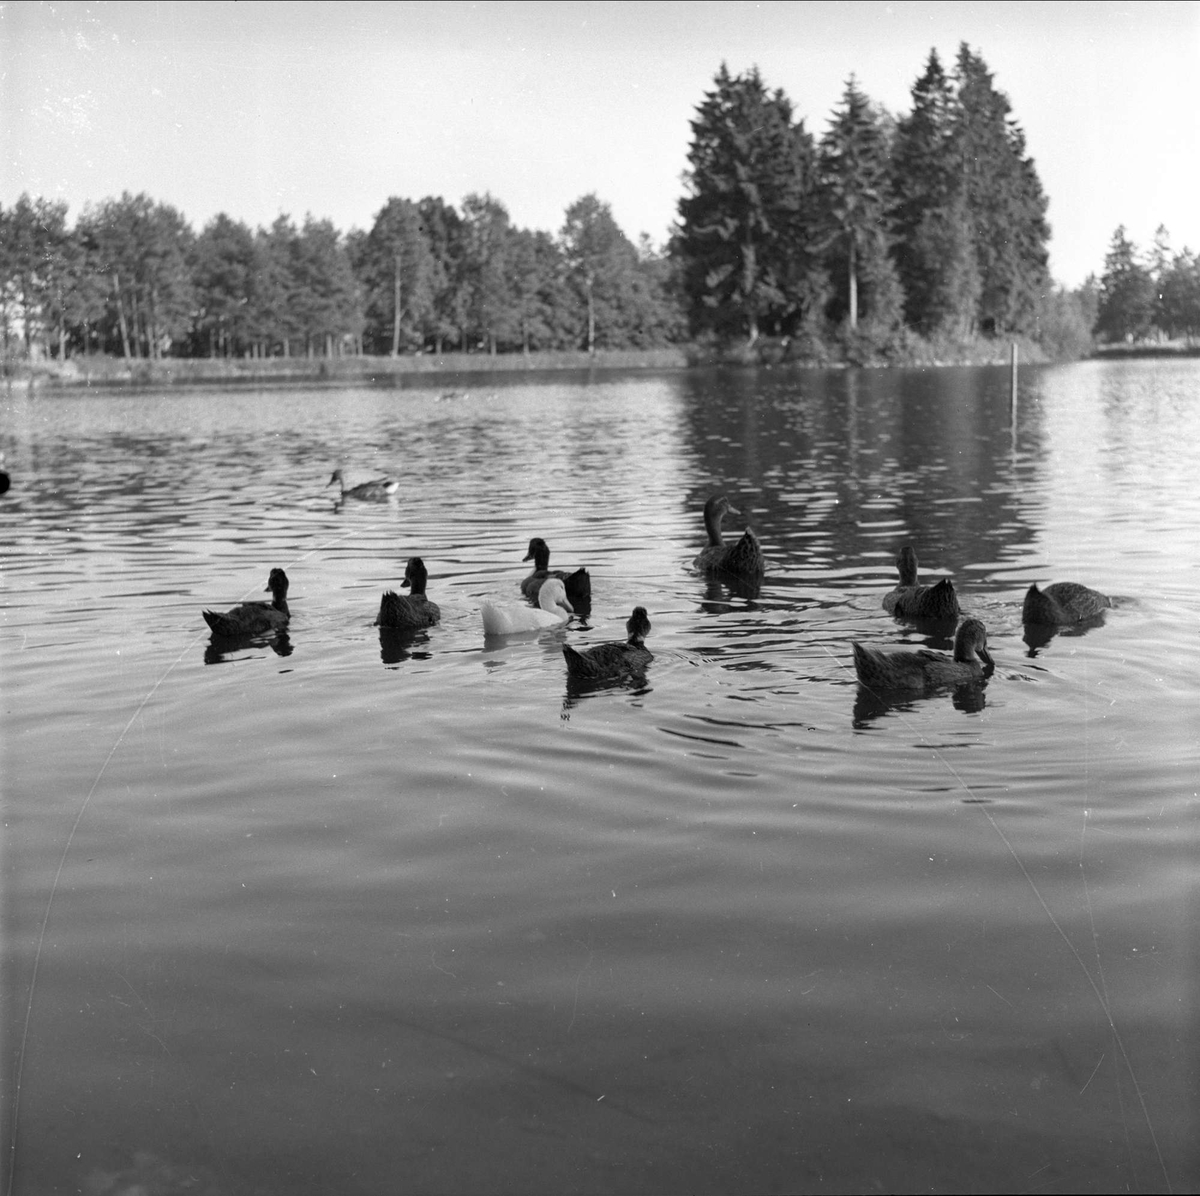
{"type": "Point", "coordinates": [1012, 403]}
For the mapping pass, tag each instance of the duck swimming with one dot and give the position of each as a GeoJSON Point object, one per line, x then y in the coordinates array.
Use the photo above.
{"type": "Point", "coordinates": [925, 669]}
{"type": "Point", "coordinates": [578, 584]}
{"type": "Point", "coordinates": [409, 612]}
{"type": "Point", "coordinates": [615, 659]}
{"type": "Point", "coordinates": [254, 618]}
{"type": "Point", "coordinates": [1063, 602]}
{"type": "Point", "coordinates": [376, 491]}
{"type": "Point", "coordinates": [743, 558]}
{"type": "Point", "coordinates": [552, 610]}
{"type": "Point", "coordinates": [916, 601]}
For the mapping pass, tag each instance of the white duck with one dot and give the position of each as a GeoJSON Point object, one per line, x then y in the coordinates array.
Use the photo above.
{"type": "Point", "coordinates": [507, 618]}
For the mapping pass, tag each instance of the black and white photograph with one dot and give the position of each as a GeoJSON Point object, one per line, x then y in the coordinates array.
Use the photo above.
{"type": "Point", "coordinates": [599, 598]}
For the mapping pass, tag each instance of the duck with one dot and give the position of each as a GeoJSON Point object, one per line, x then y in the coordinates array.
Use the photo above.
{"type": "Point", "coordinates": [254, 618]}
{"type": "Point", "coordinates": [743, 558]}
{"type": "Point", "coordinates": [376, 491]}
{"type": "Point", "coordinates": [923, 668]}
{"type": "Point", "coordinates": [506, 619]}
{"type": "Point", "coordinates": [916, 601]}
{"type": "Point", "coordinates": [405, 612]}
{"type": "Point", "coordinates": [5, 480]}
{"type": "Point", "coordinates": [578, 584]}
{"type": "Point", "coordinates": [616, 659]}
{"type": "Point", "coordinates": [1063, 602]}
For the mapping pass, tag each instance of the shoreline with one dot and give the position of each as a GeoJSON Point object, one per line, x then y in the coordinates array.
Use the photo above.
{"type": "Point", "coordinates": [81, 373]}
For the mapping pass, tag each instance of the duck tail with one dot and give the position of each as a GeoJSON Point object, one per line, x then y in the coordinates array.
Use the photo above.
{"type": "Point", "coordinates": [577, 663]}
{"type": "Point", "coordinates": [387, 608]}
{"type": "Point", "coordinates": [864, 663]}
{"type": "Point", "coordinates": [942, 600]}
{"type": "Point", "coordinates": [579, 586]}
{"type": "Point", "coordinates": [219, 624]}
{"type": "Point", "coordinates": [1037, 608]}
{"type": "Point", "coordinates": [745, 557]}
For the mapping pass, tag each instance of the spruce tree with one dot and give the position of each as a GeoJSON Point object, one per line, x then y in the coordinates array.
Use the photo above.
{"type": "Point", "coordinates": [1126, 292]}
{"type": "Point", "coordinates": [854, 166]}
{"type": "Point", "coordinates": [934, 247]}
{"type": "Point", "coordinates": [747, 240]}
{"type": "Point", "coordinates": [1004, 202]}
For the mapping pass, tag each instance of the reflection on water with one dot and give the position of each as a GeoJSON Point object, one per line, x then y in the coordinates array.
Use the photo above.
{"type": "Point", "coordinates": [311, 924]}
{"type": "Point", "coordinates": [1038, 635]}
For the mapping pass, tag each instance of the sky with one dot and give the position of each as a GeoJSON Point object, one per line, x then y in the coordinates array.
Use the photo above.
{"type": "Point", "coordinates": [256, 109]}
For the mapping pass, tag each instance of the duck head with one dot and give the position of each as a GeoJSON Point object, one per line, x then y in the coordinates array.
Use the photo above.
{"type": "Point", "coordinates": [277, 583]}
{"type": "Point", "coordinates": [971, 641]}
{"type": "Point", "coordinates": [552, 595]}
{"type": "Point", "coordinates": [906, 565]}
{"type": "Point", "coordinates": [539, 553]}
{"type": "Point", "coordinates": [415, 575]}
{"type": "Point", "coordinates": [718, 507]}
{"type": "Point", "coordinates": [638, 625]}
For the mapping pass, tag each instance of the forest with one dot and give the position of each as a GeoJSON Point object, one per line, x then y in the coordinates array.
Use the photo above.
{"type": "Point", "coordinates": [886, 239]}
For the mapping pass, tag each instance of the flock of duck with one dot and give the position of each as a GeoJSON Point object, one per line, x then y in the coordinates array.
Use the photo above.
{"type": "Point", "coordinates": [552, 597]}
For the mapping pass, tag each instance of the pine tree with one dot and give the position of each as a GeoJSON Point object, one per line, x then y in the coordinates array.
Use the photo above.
{"type": "Point", "coordinates": [443, 227]}
{"type": "Point", "coordinates": [854, 163]}
{"type": "Point", "coordinates": [1126, 292]}
{"type": "Point", "coordinates": [602, 265]}
{"type": "Point", "coordinates": [398, 274]}
{"type": "Point", "coordinates": [1179, 295]}
{"type": "Point", "coordinates": [224, 272]}
{"type": "Point", "coordinates": [1004, 202]}
{"type": "Point", "coordinates": [747, 241]}
{"type": "Point", "coordinates": [143, 250]}
{"type": "Point", "coordinates": [485, 290]}
{"type": "Point", "coordinates": [934, 249]}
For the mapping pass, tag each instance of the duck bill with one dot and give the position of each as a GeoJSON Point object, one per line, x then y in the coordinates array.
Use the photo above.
{"type": "Point", "coordinates": [566, 606]}
{"type": "Point", "coordinates": [989, 665]}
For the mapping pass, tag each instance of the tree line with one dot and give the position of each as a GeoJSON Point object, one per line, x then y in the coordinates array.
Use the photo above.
{"type": "Point", "coordinates": [880, 238]}
{"type": "Point", "coordinates": [131, 278]}
{"type": "Point", "coordinates": [1147, 296]}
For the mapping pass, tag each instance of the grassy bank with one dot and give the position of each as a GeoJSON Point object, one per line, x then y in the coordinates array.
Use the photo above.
{"type": "Point", "coordinates": [910, 351]}
{"type": "Point", "coordinates": [194, 371]}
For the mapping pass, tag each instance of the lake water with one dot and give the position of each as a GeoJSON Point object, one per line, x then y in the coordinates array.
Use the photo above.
{"type": "Point", "coordinates": [335, 914]}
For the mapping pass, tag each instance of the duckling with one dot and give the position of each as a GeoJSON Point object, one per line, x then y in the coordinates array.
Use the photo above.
{"type": "Point", "coordinates": [254, 618]}
{"type": "Point", "coordinates": [743, 558]}
{"type": "Point", "coordinates": [376, 491]}
{"type": "Point", "coordinates": [924, 669]}
{"type": "Point", "coordinates": [916, 601]}
{"type": "Point", "coordinates": [578, 584]}
{"type": "Point", "coordinates": [553, 608]}
{"type": "Point", "coordinates": [1063, 602]}
{"type": "Point", "coordinates": [614, 659]}
{"type": "Point", "coordinates": [404, 612]}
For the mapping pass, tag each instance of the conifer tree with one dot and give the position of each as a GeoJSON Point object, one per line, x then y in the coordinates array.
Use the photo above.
{"type": "Point", "coordinates": [747, 241]}
{"type": "Point", "coordinates": [1126, 292]}
{"type": "Point", "coordinates": [934, 247]}
{"type": "Point", "coordinates": [1004, 202]}
{"type": "Point", "coordinates": [224, 273]}
{"type": "Point", "coordinates": [486, 230]}
{"type": "Point", "coordinates": [398, 276]}
{"type": "Point", "coordinates": [854, 162]}
{"type": "Point", "coordinates": [1179, 295]}
{"type": "Point", "coordinates": [602, 265]}
{"type": "Point", "coordinates": [442, 227]}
